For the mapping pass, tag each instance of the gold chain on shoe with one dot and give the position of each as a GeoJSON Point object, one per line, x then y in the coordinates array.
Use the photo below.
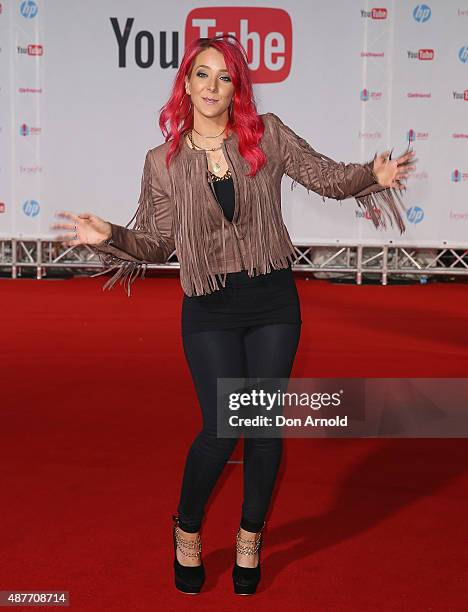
{"type": "Point", "coordinates": [192, 547]}
{"type": "Point", "coordinates": [247, 547]}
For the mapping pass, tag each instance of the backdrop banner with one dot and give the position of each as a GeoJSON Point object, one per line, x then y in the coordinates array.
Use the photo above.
{"type": "Point", "coordinates": [81, 85]}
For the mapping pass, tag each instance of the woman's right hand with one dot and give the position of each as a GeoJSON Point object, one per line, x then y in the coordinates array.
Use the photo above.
{"type": "Point", "coordinates": [88, 229]}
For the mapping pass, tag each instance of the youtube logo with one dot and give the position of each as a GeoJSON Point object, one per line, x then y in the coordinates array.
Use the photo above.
{"type": "Point", "coordinates": [265, 34]}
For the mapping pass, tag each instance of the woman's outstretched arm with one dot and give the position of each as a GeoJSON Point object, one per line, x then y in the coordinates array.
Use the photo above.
{"type": "Point", "coordinates": [151, 238]}
{"type": "Point", "coordinates": [129, 250]}
{"type": "Point", "coordinates": [376, 185]}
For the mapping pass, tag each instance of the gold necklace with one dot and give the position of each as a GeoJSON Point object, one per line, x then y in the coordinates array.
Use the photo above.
{"type": "Point", "coordinates": [216, 166]}
{"type": "Point", "coordinates": [209, 136]}
{"type": "Point", "coordinates": [190, 135]}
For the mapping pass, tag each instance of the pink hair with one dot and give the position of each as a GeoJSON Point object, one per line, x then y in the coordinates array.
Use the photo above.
{"type": "Point", "coordinates": [176, 115]}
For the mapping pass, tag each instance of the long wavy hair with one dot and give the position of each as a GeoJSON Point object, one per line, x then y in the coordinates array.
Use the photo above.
{"type": "Point", "coordinates": [176, 116]}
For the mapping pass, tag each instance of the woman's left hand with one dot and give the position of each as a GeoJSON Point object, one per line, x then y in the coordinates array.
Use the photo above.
{"type": "Point", "coordinates": [391, 172]}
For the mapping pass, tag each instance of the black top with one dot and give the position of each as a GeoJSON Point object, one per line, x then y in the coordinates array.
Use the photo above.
{"type": "Point", "coordinates": [224, 190]}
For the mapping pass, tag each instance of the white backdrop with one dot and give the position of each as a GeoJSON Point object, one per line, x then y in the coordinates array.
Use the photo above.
{"type": "Point", "coordinates": [75, 126]}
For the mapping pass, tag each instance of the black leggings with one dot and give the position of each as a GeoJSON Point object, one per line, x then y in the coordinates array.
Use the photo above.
{"type": "Point", "coordinates": [261, 351]}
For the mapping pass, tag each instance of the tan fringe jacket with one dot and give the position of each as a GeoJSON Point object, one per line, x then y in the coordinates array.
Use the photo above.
{"type": "Point", "coordinates": [178, 211]}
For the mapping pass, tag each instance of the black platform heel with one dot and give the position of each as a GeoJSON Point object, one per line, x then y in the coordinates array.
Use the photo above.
{"type": "Point", "coordinates": [246, 579]}
{"type": "Point", "coordinates": [187, 579]}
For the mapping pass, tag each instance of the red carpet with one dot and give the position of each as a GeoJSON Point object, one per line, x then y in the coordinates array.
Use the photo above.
{"type": "Point", "coordinates": [98, 410]}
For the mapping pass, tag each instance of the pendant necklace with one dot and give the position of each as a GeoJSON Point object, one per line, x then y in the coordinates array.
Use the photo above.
{"type": "Point", "coordinates": [216, 165]}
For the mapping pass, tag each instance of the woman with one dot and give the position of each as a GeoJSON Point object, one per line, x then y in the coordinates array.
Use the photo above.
{"type": "Point", "coordinates": [212, 193]}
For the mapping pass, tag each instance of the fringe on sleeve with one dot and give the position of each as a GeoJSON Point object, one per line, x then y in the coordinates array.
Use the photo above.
{"type": "Point", "coordinates": [338, 180]}
{"type": "Point", "coordinates": [126, 271]}
{"type": "Point", "coordinates": [384, 204]}
{"type": "Point", "coordinates": [148, 241]}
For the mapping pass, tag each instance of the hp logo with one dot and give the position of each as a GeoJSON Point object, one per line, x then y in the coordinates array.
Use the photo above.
{"type": "Point", "coordinates": [415, 214]}
{"type": "Point", "coordinates": [463, 54]}
{"type": "Point", "coordinates": [28, 8]}
{"type": "Point", "coordinates": [31, 208]}
{"type": "Point", "coordinates": [422, 13]}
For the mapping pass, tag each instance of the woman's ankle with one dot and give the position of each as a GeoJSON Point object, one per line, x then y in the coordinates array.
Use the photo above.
{"type": "Point", "coordinates": [247, 545]}
{"type": "Point", "coordinates": [188, 549]}
{"type": "Point", "coordinates": [247, 534]}
{"type": "Point", "coordinates": [189, 535]}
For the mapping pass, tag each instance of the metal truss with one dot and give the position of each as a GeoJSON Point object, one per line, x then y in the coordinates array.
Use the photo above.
{"type": "Point", "coordinates": [40, 258]}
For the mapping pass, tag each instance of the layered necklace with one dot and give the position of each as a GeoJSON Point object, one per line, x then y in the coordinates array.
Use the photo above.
{"type": "Point", "coordinates": [216, 164]}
